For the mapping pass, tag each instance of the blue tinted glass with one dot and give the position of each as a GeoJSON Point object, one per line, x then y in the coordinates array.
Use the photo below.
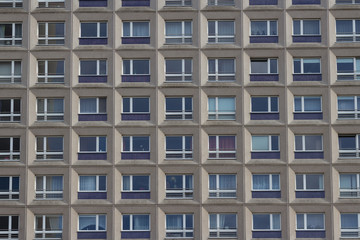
{"type": "Point", "coordinates": [87, 144]}
{"type": "Point", "coordinates": [174, 182]}
{"type": "Point", "coordinates": [259, 104]}
{"type": "Point", "coordinates": [188, 143]}
{"type": "Point", "coordinates": [141, 105]}
{"type": "Point", "coordinates": [349, 221]}
{"type": "Point", "coordinates": [344, 27]}
{"type": "Point", "coordinates": [211, 66]}
{"type": "Point", "coordinates": [126, 105]}
{"type": "Point", "coordinates": [141, 144]}
{"type": "Point", "coordinates": [261, 182]}
{"type": "Point", "coordinates": [126, 29]}
{"type": "Point", "coordinates": [274, 143]}
{"type": "Point", "coordinates": [126, 67]}
{"type": "Point", "coordinates": [103, 29]}
{"type": "Point", "coordinates": [4, 184]}
{"type": "Point", "coordinates": [102, 222]}
{"type": "Point", "coordinates": [311, 65]}
{"type": "Point", "coordinates": [275, 181]}
{"type": "Point", "coordinates": [126, 143]}
{"type": "Point", "coordinates": [273, 65]}
{"type": "Point", "coordinates": [102, 182]}
{"type": "Point", "coordinates": [173, 143]}
{"type": "Point", "coordinates": [274, 104]}
{"type": "Point", "coordinates": [126, 183]}
{"type": "Point", "coordinates": [173, 104]}
{"type": "Point", "coordinates": [300, 221]}
{"type": "Point", "coordinates": [141, 67]}
{"type": "Point", "coordinates": [297, 66]}
{"type": "Point", "coordinates": [102, 144]}
{"type": "Point", "coordinates": [261, 221]}
{"type": "Point", "coordinates": [347, 142]}
{"type": "Point", "coordinates": [297, 103]}
{"type": "Point", "coordinates": [188, 104]}
{"type": "Point", "coordinates": [87, 222]}
{"type": "Point", "coordinates": [296, 27]}
{"type": "Point", "coordinates": [140, 183]}
{"type": "Point", "coordinates": [88, 29]}
{"type": "Point", "coordinates": [126, 222]}
{"type": "Point", "coordinates": [345, 65]}
{"type": "Point", "coordinates": [189, 221]}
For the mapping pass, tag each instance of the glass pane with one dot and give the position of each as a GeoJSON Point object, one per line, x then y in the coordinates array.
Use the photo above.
{"type": "Point", "coordinates": [5, 106]}
{"type": "Point", "coordinates": [55, 105]}
{"type": "Point", "coordinates": [315, 221]}
{"type": "Point", "coordinates": [103, 29]}
{"type": "Point", "coordinates": [311, 65]}
{"type": "Point", "coordinates": [174, 143]}
{"type": "Point", "coordinates": [273, 28]}
{"type": "Point", "coordinates": [126, 29]}
{"type": "Point", "coordinates": [56, 29]}
{"type": "Point", "coordinates": [102, 144]}
{"type": "Point", "coordinates": [260, 143]}
{"type": "Point", "coordinates": [346, 103]}
{"type": "Point", "coordinates": [261, 182]}
{"type": "Point", "coordinates": [259, 104]}
{"type": "Point", "coordinates": [42, 30]}
{"type": "Point", "coordinates": [297, 66]}
{"type": "Point", "coordinates": [56, 67]}
{"type": "Point", "coordinates": [299, 181]}
{"type": "Point", "coordinates": [126, 222]}
{"type": "Point", "coordinates": [173, 104]}
{"type": "Point", "coordinates": [88, 105]}
{"type": "Point", "coordinates": [344, 27]}
{"type": "Point", "coordinates": [296, 27]}
{"type": "Point", "coordinates": [87, 222]}
{"type": "Point", "coordinates": [174, 182]}
{"type": "Point", "coordinates": [345, 65]}
{"type": "Point", "coordinates": [173, 66]}
{"type": "Point", "coordinates": [102, 183]}
{"type": "Point", "coordinates": [102, 67]}
{"type": "Point", "coordinates": [126, 67]}
{"type": "Point", "coordinates": [225, 28]}
{"type": "Point", "coordinates": [141, 105]}
{"type": "Point", "coordinates": [311, 27]}
{"type": "Point", "coordinates": [298, 143]}
{"type": "Point", "coordinates": [4, 184]}
{"type": "Point", "coordinates": [141, 183]}
{"type": "Point", "coordinates": [88, 29]}
{"type": "Point", "coordinates": [276, 221]}
{"type": "Point", "coordinates": [126, 105]}
{"type": "Point", "coordinates": [88, 67]}
{"type": "Point", "coordinates": [54, 144]}
{"type": "Point", "coordinates": [87, 144]}
{"type": "Point", "coordinates": [275, 182]}
{"type": "Point", "coordinates": [141, 144]}
{"type": "Point", "coordinates": [140, 66]}
{"type": "Point", "coordinates": [349, 221]}
{"type": "Point", "coordinates": [87, 183]}
{"type": "Point", "coordinates": [5, 69]}
{"type": "Point", "coordinates": [102, 222]}
{"type": "Point", "coordinates": [226, 104]}
{"type": "Point", "coordinates": [300, 221]}
{"type": "Point", "coordinates": [347, 143]}
{"type": "Point", "coordinates": [258, 28]}
{"type": "Point", "coordinates": [312, 104]}
{"type": "Point", "coordinates": [313, 142]}
{"type": "Point", "coordinates": [259, 66]}
{"type": "Point", "coordinates": [140, 29]}
{"type": "Point", "coordinates": [261, 221]}
{"type": "Point", "coordinates": [226, 66]}
{"type": "Point", "coordinates": [173, 28]}
{"type": "Point", "coordinates": [314, 181]}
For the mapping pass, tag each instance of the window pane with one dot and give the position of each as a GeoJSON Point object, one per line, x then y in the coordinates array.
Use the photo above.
{"type": "Point", "coordinates": [88, 29]}
{"type": "Point", "coordinates": [126, 66]}
{"type": "Point", "coordinates": [345, 65]}
{"type": "Point", "coordinates": [141, 183]}
{"type": "Point", "coordinates": [174, 182]}
{"type": "Point", "coordinates": [273, 65]}
{"type": "Point", "coordinates": [102, 144]}
{"type": "Point", "coordinates": [4, 184]}
{"type": "Point", "coordinates": [103, 29]}
{"type": "Point", "coordinates": [87, 222]}
{"type": "Point", "coordinates": [87, 183]}
{"type": "Point", "coordinates": [174, 143]}
{"type": "Point", "coordinates": [346, 103]}
{"type": "Point", "coordinates": [140, 29]}
{"type": "Point", "coordinates": [102, 182]}
{"type": "Point", "coordinates": [225, 28]}
{"type": "Point", "coordinates": [299, 181]}
{"type": "Point", "coordinates": [311, 65]}
{"type": "Point", "coordinates": [315, 221]}
{"type": "Point", "coordinates": [312, 104]}
{"type": "Point", "coordinates": [259, 66]}
{"type": "Point", "coordinates": [347, 143]}
{"type": "Point", "coordinates": [5, 106]}
{"type": "Point", "coordinates": [141, 222]}
{"type": "Point", "coordinates": [140, 66]}
{"type": "Point", "coordinates": [275, 181]}
{"type": "Point", "coordinates": [344, 27]}
{"type": "Point", "coordinates": [55, 105]}
{"type": "Point", "coordinates": [174, 66]}
{"type": "Point", "coordinates": [259, 104]}
{"type": "Point", "coordinates": [140, 104]}
{"type": "Point", "coordinates": [311, 27]}
{"type": "Point", "coordinates": [300, 221]}
{"type": "Point", "coordinates": [226, 104]}
{"type": "Point", "coordinates": [314, 181]}
{"type": "Point", "coordinates": [349, 221]}
{"type": "Point", "coordinates": [298, 143]}
{"type": "Point", "coordinates": [87, 144]}
{"type": "Point", "coordinates": [313, 142]}
{"type": "Point", "coordinates": [126, 222]}
{"type": "Point", "coordinates": [296, 27]}
{"type": "Point", "coordinates": [56, 29]}
{"type": "Point", "coordinates": [260, 143]}
{"type": "Point", "coordinates": [261, 221]}
{"type": "Point", "coordinates": [258, 28]}
{"type": "Point", "coordinates": [126, 29]}
{"type": "Point", "coordinates": [54, 144]}
{"type": "Point", "coordinates": [261, 182]}
{"type": "Point", "coordinates": [88, 67]}
{"type": "Point", "coordinates": [140, 144]}
{"type": "Point", "coordinates": [173, 104]}
{"type": "Point", "coordinates": [87, 105]}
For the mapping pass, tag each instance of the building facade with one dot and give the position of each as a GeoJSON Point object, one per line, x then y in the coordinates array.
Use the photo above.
{"type": "Point", "coordinates": [171, 119]}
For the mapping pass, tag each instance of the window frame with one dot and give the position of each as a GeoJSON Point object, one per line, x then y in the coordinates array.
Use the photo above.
{"type": "Point", "coordinates": [218, 75]}
{"type": "Point", "coordinates": [97, 67]}
{"type": "Point", "coordinates": [303, 137]}
{"type": "Point", "coordinates": [131, 218]}
{"type": "Point", "coordinates": [45, 152]}
{"type": "Point", "coordinates": [131, 105]}
{"type": "Point", "coordinates": [269, 107]}
{"type": "Point", "coordinates": [12, 113]}
{"type": "Point", "coordinates": [355, 73]}
{"type": "Point", "coordinates": [349, 232]}
{"type": "Point", "coordinates": [355, 151]}
{"type": "Point", "coordinates": [13, 77]}
{"type": "Point", "coordinates": [131, 29]}
{"type": "Point", "coordinates": [302, 99]}
{"type": "Point", "coordinates": [302, 65]}
{"type": "Point", "coordinates": [96, 223]}
{"type": "Point", "coordinates": [305, 222]}
{"type": "Point", "coordinates": [270, 177]}
{"type": "Point", "coordinates": [182, 37]}
{"type": "Point", "coordinates": [131, 183]}
{"type": "Point", "coordinates": [98, 30]}
{"type": "Point", "coordinates": [50, 1]}
{"type": "Point", "coordinates": [10, 232]}
{"type": "Point", "coordinates": [218, 151]}
{"type": "Point", "coordinates": [97, 105]}
{"type": "Point", "coordinates": [11, 153]}
{"type": "Point", "coordinates": [269, 145]}
{"type": "Point", "coordinates": [302, 27]}
{"type": "Point", "coordinates": [46, 75]}
{"type": "Point", "coordinates": [97, 183]}
{"type": "Point", "coordinates": [11, 193]}
{"type": "Point", "coordinates": [352, 191]}
{"type": "Point", "coordinates": [13, 38]}
{"type": "Point", "coordinates": [304, 181]}
{"type": "Point", "coordinates": [354, 35]}
{"type": "Point", "coordinates": [45, 115]}
{"type": "Point", "coordinates": [97, 150]}
{"type": "Point", "coordinates": [222, 230]}
{"type": "Point", "coordinates": [131, 61]}
{"type": "Point", "coordinates": [271, 227]}
{"type": "Point", "coordinates": [131, 146]}
{"type": "Point", "coordinates": [268, 28]}
{"type": "Point", "coordinates": [46, 38]}
{"type": "Point", "coordinates": [219, 193]}
{"type": "Point", "coordinates": [182, 231]}
{"type": "Point", "coordinates": [217, 113]}
{"type": "Point", "coordinates": [268, 62]}
{"type": "Point", "coordinates": [183, 75]}
{"type": "Point", "coordinates": [15, 3]}
{"type": "Point", "coordinates": [216, 36]}
{"type": "Point", "coordinates": [44, 191]}
{"type": "Point", "coordinates": [183, 151]}
{"type": "Point", "coordinates": [45, 231]}
{"type": "Point", "coordinates": [182, 113]}
{"type": "Point", "coordinates": [180, 193]}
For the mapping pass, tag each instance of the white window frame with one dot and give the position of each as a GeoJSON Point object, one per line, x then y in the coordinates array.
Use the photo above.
{"type": "Point", "coordinates": [181, 231]}
{"type": "Point", "coordinates": [47, 38]}
{"type": "Point", "coordinates": [183, 191]}
{"type": "Point", "coordinates": [11, 114]}
{"type": "Point", "coordinates": [302, 27]}
{"type": "Point", "coordinates": [182, 75]}
{"type": "Point", "coordinates": [131, 106]}
{"type": "Point", "coordinates": [10, 232]}
{"type": "Point", "coordinates": [218, 75]}
{"type": "Point", "coordinates": [182, 37]}
{"type": "Point", "coordinates": [132, 68]}
{"type": "Point", "coordinates": [303, 104]}
{"type": "Point", "coordinates": [97, 30]}
{"type": "Point", "coordinates": [182, 151]}
{"type": "Point", "coordinates": [218, 151]}
{"type": "Point", "coordinates": [219, 231]}
{"type": "Point", "coordinates": [97, 67]}
{"type": "Point", "coordinates": [219, 192]}
{"type": "Point", "coordinates": [13, 38]}
{"type": "Point", "coordinates": [45, 231]}
{"type": "Point", "coordinates": [178, 3]}
{"type": "Point", "coordinates": [45, 153]}
{"type": "Point", "coordinates": [11, 152]}
{"type": "Point", "coordinates": [131, 144]}
{"type": "Point", "coordinates": [14, 2]}
{"type": "Point", "coordinates": [303, 144]}
{"type": "Point", "coordinates": [268, 104]}
{"type": "Point", "coordinates": [268, 34]}
{"type": "Point", "coordinates": [13, 78]}
{"type": "Point", "coordinates": [97, 183]}
{"type": "Point", "coordinates": [353, 233]}
{"type": "Point", "coordinates": [305, 222]}
{"type": "Point", "coordinates": [352, 35]}
{"type": "Point", "coordinates": [270, 189]}
{"type": "Point", "coordinates": [271, 222]}
{"type": "Point", "coordinates": [183, 112]}
{"type": "Point", "coordinates": [46, 114]}
{"type": "Point", "coordinates": [352, 153]}
{"type": "Point", "coordinates": [131, 223]}
{"type": "Point", "coordinates": [51, 1]}
{"type": "Point", "coordinates": [97, 150]}
{"type": "Point", "coordinates": [302, 65]}
{"type": "Point", "coordinates": [304, 176]}
{"type": "Point", "coordinates": [351, 191]}
{"type": "Point", "coordinates": [46, 73]}
{"type": "Point", "coordinates": [270, 143]}
{"type": "Point", "coordinates": [217, 113]}
{"type": "Point", "coordinates": [217, 36]}
{"type": "Point", "coordinates": [355, 73]}
{"type": "Point", "coordinates": [131, 28]}
{"type": "Point", "coordinates": [96, 220]}
{"type": "Point", "coordinates": [97, 105]}
{"type": "Point", "coordinates": [44, 192]}
{"type": "Point", "coordinates": [268, 61]}
{"type": "Point", "coordinates": [10, 193]}
{"type": "Point", "coordinates": [346, 2]}
{"type": "Point", "coordinates": [131, 179]}
{"type": "Point", "coordinates": [355, 112]}
{"type": "Point", "coordinates": [221, 3]}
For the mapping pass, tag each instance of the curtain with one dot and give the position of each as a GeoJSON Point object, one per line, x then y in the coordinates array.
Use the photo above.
{"type": "Point", "coordinates": [174, 222]}
{"type": "Point", "coordinates": [349, 221]}
{"type": "Point", "coordinates": [87, 105]}
{"type": "Point", "coordinates": [344, 27]}
{"type": "Point", "coordinates": [348, 181]}
{"type": "Point", "coordinates": [226, 66]}
{"type": "Point", "coordinates": [212, 182]}
{"type": "Point", "coordinates": [313, 142]}
{"type": "Point", "coordinates": [5, 68]}
{"type": "Point", "coordinates": [126, 183]}
{"type": "Point", "coordinates": [141, 222]}
{"type": "Point", "coordinates": [311, 27]}
{"type": "Point", "coordinates": [55, 105]}
{"type": "Point", "coordinates": [18, 30]}
{"type": "Point", "coordinates": [140, 29]}
{"type": "Point", "coordinates": [260, 143]}
{"type": "Point", "coordinates": [225, 28]}
{"type": "Point", "coordinates": [87, 144]}
{"type": "Point", "coordinates": [188, 182]}
{"type": "Point", "coordinates": [173, 28]}
{"type": "Point", "coordinates": [213, 221]}
{"type": "Point", "coordinates": [312, 104]}
{"type": "Point", "coordinates": [226, 143]}
{"type": "Point", "coordinates": [54, 183]}
{"type": "Point", "coordinates": [87, 183]}
{"type": "Point", "coordinates": [54, 223]}
{"type": "Point", "coordinates": [314, 181]}
{"type": "Point", "coordinates": [227, 182]}
{"type": "Point", "coordinates": [88, 67]}
{"type": "Point", "coordinates": [261, 182]}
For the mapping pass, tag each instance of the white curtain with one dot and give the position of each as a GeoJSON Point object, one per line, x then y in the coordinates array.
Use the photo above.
{"type": "Point", "coordinates": [54, 183]}
{"type": "Point", "coordinates": [174, 222]}
{"type": "Point", "coordinates": [88, 183]}
{"type": "Point", "coordinates": [344, 27]}
{"type": "Point", "coordinates": [226, 104]}
{"type": "Point", "coordinates": [261, 182]}
{"type": "Point", "coordinates": [260, 143]}
{"type": "Point", "coordinates": [140, 29]}
{"type": "Point", "coordinates": [227, 182]}
{"type": "Point", "coordinates": [173, 28]}
{"type": "Point", "coordinates": [88, 105]}
{"type": "Point", "coordinates": [141, 222]}
{"type": "Point", "coordinates": [348, 181]}
{"type": "Point", "coordinates": [311, 27]}
{"type": "Point", "coordinates": [226, 66]}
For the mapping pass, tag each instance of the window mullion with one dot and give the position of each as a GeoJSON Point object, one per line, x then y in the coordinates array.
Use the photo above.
{"type": "Point", "coordinates": [98, 29]}
{"type": "Point", "coordinates": [268, 66]}
{"type": "Point", "coordinates": [304, 182]}
{"type": "Point", "coordinates": [271, 222]}
{"type": "Point", "coordinates": [216, 31]}
{"type": "Point", "coordinates": [11, 147]}
{"type": "Point", "coordinates": [97, 183]}
{"type": "Point", "coordinates": [269, 104]}
{"type": "Point", "coordinates": [131, 29]}
{"type": "Point", "coordinates": [303, 142]}
{"type": "Point", "coordinates": [183, 110]}
{"type": "Point", "coordinates": [270, 182]}
{"type": "Point", "coordinates": [46, 71]}
{"type": "Point", "coordinates": [10, 186]}
{"type": "Point", "coordinates": [43, 225]}
{"type": "Point", "coordinates": [131, 182]}
{"type": "Point", "coordinates": [302, 104]}
{"type": "Point", "coordinates": [97, 67]}
{"type": "Point", "coordinates": [183, 150]}
{"type": "Point", "coordinates": [131, 67]}
{"type": "Point", "coordinates": [301, 27]}
{"type": "Point", "coordinates": [268, 28]}
{"type": "Point", "coordinates": [131, 105]}
{"type": "Point", "coordinates": [131, 143]}
{"type": "Point", "coordinates": [184, 225]}
{"type": "Point", "coordinates": [131, 222]}
{"type": "Point", "coordinates": [217, 140]}
{"type": "Point", "coordinates": [217, 182]}
{"type": "Point", "coordinates": [97, 144]}
{"type": "Point", "coordinates": [270, 143]}
{"type": "Point", "coordinates": [97, 105]}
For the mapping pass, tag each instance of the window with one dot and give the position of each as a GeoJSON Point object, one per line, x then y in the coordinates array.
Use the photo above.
{"type": "Point", "coordinates": [10, 71]}
{"type": "Point", "coordinates": [350, 185]}
{"type": "Point", "coordinates": [349, 146]}
{"type": "Point", "coordinates": [92, 144]}
{"type": "Point", "coordinates": [92, 223]}
{"type": "Point", "coordinates": [222, 186]}
{"type": "Point", "coordinates": [9, 188]}
{"type": "Point", "coordinates": [221, 31]}
{"type": "Point", "coordinates": [93, 67]}
{"type": "Point", "coordinates": [223, 225]}
{"type": "Point", "coordinates": [350, 225]}
{"type": "Point", "coordinates": [91, 3]}
{"type": "Point", "coordinates": [348, 107]}
{"type": "Point", "coordinates": [51, 71]}
{"type": "Point", "coordinates": [9, 148]}
{"type": "Point", "coordinates": [264, 66]}
{"type": "Point", "coordinates": [93, 105]}
{"type": "Point", "coordinates": [221, 2]}
{"type": "Point", "coordinates": [11, 4]}
{"type": "Point", "coordinates": [308, 143]}
{"type": "Point", "coordinates": [49, 187]}
{"type": "Point", "coordinates": [49, 148]}
{"type": "Point", "coordinates": [347, 2]}
{"type": "Point", "coordinates": [264, 104]}
{"type": "Point", "coordinates": [179, 147]}
{"type": "Point", "coordinates": [178, 32]}
{"type": "Point", "coordinates": [92, 183]}
{"type": "Point", "coordinates": [309, 182]}
{"type": "Point", "coordinates": [266, 143]}
{"type": "Point", "coordinates": [178, 3]}
{"type": "Point", "coordinates": [51, 3]}
{"type": "Point", "coordinates": [50, 109]}
{"type": "Point", "coordinates": [136, 183]}
{"type": "Point", "coordinates": [48, 226]}
{"type": "Point", "coordinates": [136, 144]}
{"type": "Point", "coordinates": [348, 69]}
{"type": "Point", "coordinates": [265, 182]}
{"type": "Point", "coordinates": [310, 221]}
{"type": "Point", "coordinates": [51, 33]}
{"type": "Point", "coordinates": [10, 34]}
{"type": "Point", "coordinates": [136, 222]}
{"type": "Point", "coordinates": [136, 67]}
{"type": "Point", "coordinates": [221, 69]}
{"type": "Point", "coordinates": [307, 66]}
{"type": "Point", "coordinates": [132, 3]}
{"type": "Point", "coordinates": [269, 222]}
{"type": "Point", "coordinates": [309, 27]}
{"type": "Point", "coordinates": [178, 70]}
{"type": "Point", "coordinates": [179, 226]}
{"type": "Point", "coordinates": [264, 28]}
{"type": "Point", "coordinates": [178, 108]}
{"type": "Point", "coordinates": [136, 33]}
{"type": "Point", "coordinates": [9, 227]}
{"type": "Point", "coordinates": [222, 147]}
{"type": "Point", "coordinates": [221, 108]}
{"type": "Point", "coordinates": [179, 186]}
{"type": "Point", "coordinates": [307, 103]}
{"type": "Point", "coordinates": [10, 110]}
{"type": "Point", "coordinates": [348, 30]}
{"type": "Point", "coordinates": [136, 105]}
{"type": "Point", "coordinates": [93, 33]}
